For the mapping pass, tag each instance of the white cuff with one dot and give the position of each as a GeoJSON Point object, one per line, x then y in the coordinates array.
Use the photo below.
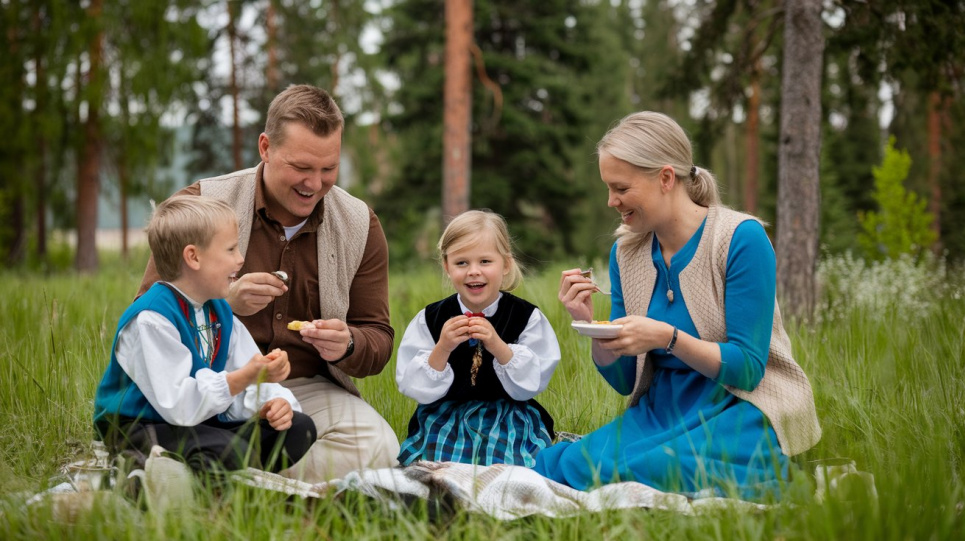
{"type": "Point", "coordinates": [435, 375]}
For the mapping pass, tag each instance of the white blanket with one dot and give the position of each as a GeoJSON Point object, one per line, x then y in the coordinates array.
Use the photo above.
{"type": "Point", "coordinates": [503, 492]}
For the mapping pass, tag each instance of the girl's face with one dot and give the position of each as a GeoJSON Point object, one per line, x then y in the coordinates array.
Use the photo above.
{"type": "Point", "coordinates": [476, 270]}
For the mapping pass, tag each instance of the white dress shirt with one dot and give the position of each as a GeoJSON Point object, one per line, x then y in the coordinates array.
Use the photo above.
{"type": "Point", "coordinates": [527, 374]}
{"type": "Point", "coordinates": [150, 351]}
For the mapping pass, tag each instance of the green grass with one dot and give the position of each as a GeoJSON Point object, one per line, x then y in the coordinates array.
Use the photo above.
{"type": "Point", "coordinates": [888, 376]}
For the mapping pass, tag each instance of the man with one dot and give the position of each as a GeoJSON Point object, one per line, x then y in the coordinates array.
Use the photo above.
{"type": "Point", "coordinates": [332, 250]}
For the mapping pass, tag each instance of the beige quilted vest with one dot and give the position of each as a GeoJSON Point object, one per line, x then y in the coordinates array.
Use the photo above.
{"type": "Point", "coordinates": [342, 235]}
{"type": "Point", "coordinates": [784, 394]}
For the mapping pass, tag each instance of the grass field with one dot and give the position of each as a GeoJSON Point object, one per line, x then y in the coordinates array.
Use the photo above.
{"type": "Point", "coordinates": [885, 354]}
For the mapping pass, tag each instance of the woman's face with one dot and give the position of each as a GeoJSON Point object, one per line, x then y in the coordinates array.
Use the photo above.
{"type": "Point", "coordinates": [634, 193]}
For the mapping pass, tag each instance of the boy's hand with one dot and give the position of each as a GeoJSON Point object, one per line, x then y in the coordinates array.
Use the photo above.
{"type": "Point", "coordinates": [253, 291]}
{"type": "Point", "coordinates": [276, 366]}
{"type": "Point", "coordinates": [278, 412]}
{"type": "Point", "coordinates": [272, 368]}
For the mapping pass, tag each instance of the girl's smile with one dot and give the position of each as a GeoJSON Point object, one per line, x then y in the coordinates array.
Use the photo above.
{"type": "Point", "coordinates": [476, 270]}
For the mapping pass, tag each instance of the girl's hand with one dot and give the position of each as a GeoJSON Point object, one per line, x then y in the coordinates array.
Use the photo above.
{"type": "Point", "coordinates": [638, 335]}
{"type": "Point", "coordinates": [278, 412]}
{"type": "Point", "coordinates": [576, 294]}
{"type": "Point", "coordinates": [482, 329]}
{"type": "Point", "coordinates": [454, 332]}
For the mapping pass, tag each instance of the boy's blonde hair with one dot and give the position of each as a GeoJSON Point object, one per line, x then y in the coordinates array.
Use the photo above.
{"type": "Point", "coordinates": [180, 221]}
{"type": "Point", "coordinates": [469, 227]}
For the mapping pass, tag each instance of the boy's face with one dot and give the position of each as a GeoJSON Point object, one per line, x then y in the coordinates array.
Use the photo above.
{"type": "Point", "coordinates": [220, 262]}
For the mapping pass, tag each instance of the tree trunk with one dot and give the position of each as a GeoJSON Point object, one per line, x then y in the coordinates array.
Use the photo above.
{"type": "Point", "coordinates": [935, 114]}
{"type": "Point", "coordinates": [88, 170]}
{"type": "Point", "coordinates": [753, 135]}
{"type": "Point", "coordinates": [271, 73]}
{"type": "Point", "coordinates": [41, 144]}
{"type": "Point", "coordinates": [13, 186]}
{"type": "Point", "coordinates": [123, 174]}
{"type": "Point", "coordinates": [334, 15]}
{"type": "Point", "coordinates": [457, 98]}
{"type": "Point", "coordinates": [798, 197]}
{"type": "Point", "coordinates": [235, 99]}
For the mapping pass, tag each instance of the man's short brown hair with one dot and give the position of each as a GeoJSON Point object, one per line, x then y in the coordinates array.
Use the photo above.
{"type": "Point", "coordinates": [182, 220]}
{"type": "Point", "coordinates": [308, 105]}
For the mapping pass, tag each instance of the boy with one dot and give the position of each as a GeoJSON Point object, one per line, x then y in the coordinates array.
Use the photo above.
{"type": "Point", "coordinates": [184, 373]}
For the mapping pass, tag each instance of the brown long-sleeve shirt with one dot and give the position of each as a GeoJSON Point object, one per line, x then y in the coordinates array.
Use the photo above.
{"type": "Point", "coordinates": [368, 312]}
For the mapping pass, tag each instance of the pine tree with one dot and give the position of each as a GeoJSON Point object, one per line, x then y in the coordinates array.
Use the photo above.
{"type": "Point", "coordinates": [553, 64]}
{"type": "Point", "coordinates": [901, 225]}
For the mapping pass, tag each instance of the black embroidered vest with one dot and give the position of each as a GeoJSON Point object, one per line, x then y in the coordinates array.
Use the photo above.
{"type": "Point", "coordinates": [509, 321]}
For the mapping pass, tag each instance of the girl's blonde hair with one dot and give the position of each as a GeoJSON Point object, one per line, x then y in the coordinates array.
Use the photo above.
{"type": "Point", "coordinates": [469, 227]}
{"type": "Point", "coordinates": [180, 221]}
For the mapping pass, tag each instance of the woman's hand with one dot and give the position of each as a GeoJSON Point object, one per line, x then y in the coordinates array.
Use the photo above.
{"type": "Point", "coordinates": [638, 336]}
{"type": "Point", "coordinates": [576, 292]}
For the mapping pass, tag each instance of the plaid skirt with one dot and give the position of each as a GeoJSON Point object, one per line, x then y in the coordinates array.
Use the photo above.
{"type": "Point", "coordinates": [475, 432]}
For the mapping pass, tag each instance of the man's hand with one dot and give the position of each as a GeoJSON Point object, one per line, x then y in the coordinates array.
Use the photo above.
{"type": "Point", "coordinates": [253, 291]}
{"type": "Point", "coordinates": [278, 412]}
{"type": "Point", "coordinates": [329, 336]}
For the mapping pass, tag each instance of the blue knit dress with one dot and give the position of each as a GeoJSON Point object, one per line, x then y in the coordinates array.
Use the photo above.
{"type": "Point", "coordinates": [688, 434]}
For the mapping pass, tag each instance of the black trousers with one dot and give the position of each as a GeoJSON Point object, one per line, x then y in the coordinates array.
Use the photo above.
{"type": "Point", "coordinates": [214, 445]}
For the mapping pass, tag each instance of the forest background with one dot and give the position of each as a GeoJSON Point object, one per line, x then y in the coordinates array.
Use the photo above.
{"type": "Point", "coordinates": [129, 100]}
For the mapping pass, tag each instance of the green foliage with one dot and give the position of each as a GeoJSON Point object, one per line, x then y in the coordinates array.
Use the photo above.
{"type": "Point", "coordinates": [901, 225]}
{"type": "Point", "coordinates": [532, 153]}
{"type": "Point", "coordinates": [884, 401]}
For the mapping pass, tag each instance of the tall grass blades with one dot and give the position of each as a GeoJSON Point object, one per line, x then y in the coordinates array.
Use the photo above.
{"type": "Point", "coordinates": [885, 356]}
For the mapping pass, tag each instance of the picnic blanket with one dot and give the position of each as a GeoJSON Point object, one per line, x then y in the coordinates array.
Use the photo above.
{"type": "Point", "coordinates": [500, 491]}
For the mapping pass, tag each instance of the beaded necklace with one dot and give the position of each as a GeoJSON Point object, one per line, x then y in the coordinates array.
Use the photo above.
{"type": "Point", "coordinates": [477, 355]}
{"type": "Point", "coordinates": [205, 344]}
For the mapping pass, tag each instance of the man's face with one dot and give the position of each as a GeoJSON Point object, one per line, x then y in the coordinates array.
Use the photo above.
{"type": "Point", "coordinates": [298, 172]}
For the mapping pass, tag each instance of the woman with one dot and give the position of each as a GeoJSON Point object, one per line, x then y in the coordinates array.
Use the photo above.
{"type": "Point", "coordinates": [717, 401]}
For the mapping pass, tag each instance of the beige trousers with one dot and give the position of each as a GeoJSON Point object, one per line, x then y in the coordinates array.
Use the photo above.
{"type": "Point", "coordinates": [351, 434]}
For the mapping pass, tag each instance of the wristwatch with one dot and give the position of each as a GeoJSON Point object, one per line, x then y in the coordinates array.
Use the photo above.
{"type": "Point", "coordinates": [349, 349]}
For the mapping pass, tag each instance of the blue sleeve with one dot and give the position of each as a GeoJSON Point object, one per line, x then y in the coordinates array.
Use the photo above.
{"type": "Point", "coordinates": [748, 307]}
{"type": "Point", "coordinates": [622, 373]}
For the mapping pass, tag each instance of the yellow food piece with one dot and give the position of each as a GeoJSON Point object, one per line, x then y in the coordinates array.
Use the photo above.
{"type": "Point", "coordinates": [299, 325]}
{"type": "Point", "coordinates": [602, 322]}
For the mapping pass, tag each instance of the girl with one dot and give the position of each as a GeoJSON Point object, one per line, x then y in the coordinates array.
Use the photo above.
{"type": "Point", "coordinates": [475, 360]}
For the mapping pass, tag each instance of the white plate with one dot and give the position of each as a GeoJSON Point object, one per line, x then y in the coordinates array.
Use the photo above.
{"type": "Point", "coordinates": [596, 330]}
